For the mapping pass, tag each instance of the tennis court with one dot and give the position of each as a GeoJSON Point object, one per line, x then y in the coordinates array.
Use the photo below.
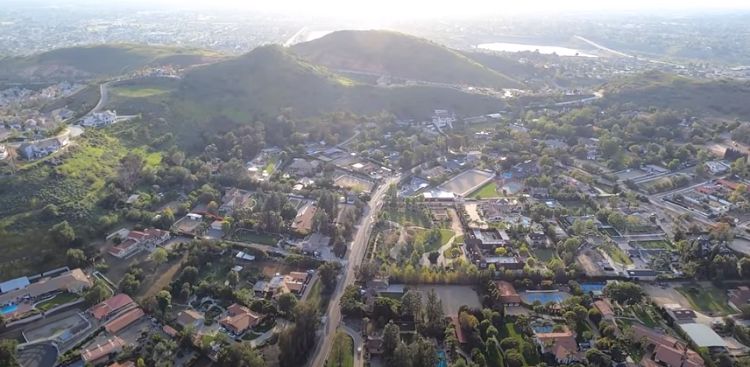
{"type": "Point", "coordinates": [544, 297]}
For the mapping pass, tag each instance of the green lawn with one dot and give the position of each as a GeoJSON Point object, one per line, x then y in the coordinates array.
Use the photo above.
{"type": "Point", "coordinates": [252, 237]}
{"type": "Point", "coordinates": [617, 254]}
{"type": "Point", "coordinates": [488, 190]}
{"type": "Point", "coordinates": [707, 299]}
{"type": "Point", "coordinates": [139, 92]}
{"type": "Point", "coordinates": [57, 300]}
{"type": "Point", "coordinates": [408, 217]}
{"type": "Point", "coordinates": [645, 315]}
{"type": "Point", "coordinates": [544, 254]}
{"type": "Point", "coordinates": [654, 245]}
{"type": "Point", "coordinates": [421, 238]}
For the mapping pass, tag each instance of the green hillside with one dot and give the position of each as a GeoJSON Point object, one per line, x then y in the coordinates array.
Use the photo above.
{"type": "Point", "coordinates": [95, 61]}
{"type": "Point", "coordinates": [271, 79]}
{"type": "Point", "coordinates": [715, 97]}
{"type": "Point", "coordinates": [400, 55]}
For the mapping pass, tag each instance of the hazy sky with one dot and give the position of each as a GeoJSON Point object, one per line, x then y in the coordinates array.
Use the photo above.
{"type": "Point", "coordinates": [431, 8]}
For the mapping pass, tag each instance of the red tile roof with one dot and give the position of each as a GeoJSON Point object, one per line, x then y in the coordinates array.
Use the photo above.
{"type": "Point", "coordinates": [124, 320]}
{"type": "Point", "coordinates": [98, 352]}
{"type": "Point", "coordinates": [508, 293]}
{"type": "Point", "coordinates": [110, 305]}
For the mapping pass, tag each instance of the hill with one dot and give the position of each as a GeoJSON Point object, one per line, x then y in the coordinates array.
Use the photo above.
{"type": "Point", "coordinates": [97, 61]}
{"type": "Point", "coordinates": [270, 79]}
{"type": "Point", "coordinates": [399, 55]}
{"type": "Point", "coordinates": [713, 97]}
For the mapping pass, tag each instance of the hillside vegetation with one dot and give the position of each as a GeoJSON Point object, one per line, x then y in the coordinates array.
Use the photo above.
{"type": "Point", "coordinates": [270, 79]}
{"type": "Point", "coordinates": [96, 61]}
{"type": "Point", "coordinates": [400, 55]}
{"type": "Point", "coordinates": [716, 97]}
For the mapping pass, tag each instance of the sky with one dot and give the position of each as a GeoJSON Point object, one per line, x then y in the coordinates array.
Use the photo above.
{"type": "Point", "coordinates": [433, 8]}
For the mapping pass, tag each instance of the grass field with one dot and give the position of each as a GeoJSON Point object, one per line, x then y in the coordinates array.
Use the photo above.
{"type": "Point", "coordinates": [139, 92]}
{"type": "Point", "coordinates": [408, 217]}
{"type": "Point", "coordinates": [655, 245]}
{"type": "Point", "coordinates": [707, 299]}
{"type": "Point", "coordinates": [489, 190]}
{"type": "Point", "coordinates": [251, 237]}
{"type": "Point", "coordinates": [617, 254]}
{"type": "Point", "coordinates": [645, 315]}
{"type": "Point", "coordinates": [421, 238]}
{"type": "Point", "coordinates": [57, 300]}
{"type": "Point", "coordinates": [544, 254]}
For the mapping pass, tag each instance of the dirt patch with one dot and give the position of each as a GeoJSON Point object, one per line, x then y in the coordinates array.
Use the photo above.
{"type": "Point", "coordinates": [589, 260]}
{"type": "Point", "coordinates": [158, 279]}
{"type": "Point", "coordinates": [453, 297]}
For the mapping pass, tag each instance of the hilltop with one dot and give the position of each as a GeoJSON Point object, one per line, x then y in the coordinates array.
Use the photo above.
{"type": "Point", "coordinates": [659, 89]}
{"type": "Point", "coordinates": [402, 56]}
{"type": "Point", "coordinates": [97, 61]}
{"type": "Point", "coordinates": [271, 79]}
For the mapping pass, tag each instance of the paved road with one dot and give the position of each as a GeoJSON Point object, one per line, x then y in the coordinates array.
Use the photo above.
{"type": "Point", "coordinates": [359, 245]}
{"type": "Point", "coordinates": [357, 343]}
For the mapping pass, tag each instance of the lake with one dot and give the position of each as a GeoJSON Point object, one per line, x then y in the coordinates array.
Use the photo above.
{"type": "Point", "coordinates": [520, 47]}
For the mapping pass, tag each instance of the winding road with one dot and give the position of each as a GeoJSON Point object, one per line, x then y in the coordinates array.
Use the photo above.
{"type": "Point", "coordinates": [356, 253]}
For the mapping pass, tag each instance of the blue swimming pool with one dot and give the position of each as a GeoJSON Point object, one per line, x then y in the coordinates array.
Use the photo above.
{"type": "Point", "coordinates": [8, 309]}
{"type": "Point", "coordinates": [442, 360]}
{"type": "Point", "coordinates": [544, 297]}
{"type": "Point", "coordinates": [540, 329]}
{"type": "Point", "coordinates": [595, 288]}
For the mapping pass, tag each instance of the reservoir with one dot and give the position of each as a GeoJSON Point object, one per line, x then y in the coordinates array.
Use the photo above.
{"type": "Point", "coordinates": [520, 47]}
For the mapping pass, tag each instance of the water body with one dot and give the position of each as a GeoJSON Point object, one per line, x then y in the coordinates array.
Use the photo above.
{"type": "Point", "coordinates": [520, 47]}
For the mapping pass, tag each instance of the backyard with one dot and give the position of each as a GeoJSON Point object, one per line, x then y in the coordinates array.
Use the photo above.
{"type": "Point", "coordinates": [59, 299]}
{"type": "Point", "coordinates": [422, 237]}
{"type": "Point", "coordinates": [243, 235]}
{"type": "Point", "coordinates": [489, 190]}
{"type": "Point", "coordinates": [408, 217]}
{"type": "Point", "coordinates": [617, 254]}
{"type": "Point", "coordinates": [707, 299]}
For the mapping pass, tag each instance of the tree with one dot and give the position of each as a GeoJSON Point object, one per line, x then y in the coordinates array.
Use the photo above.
{"type": "Point", "coordinates": [130, 284]}
{"type": "Point", "coordinates": [129, 171]}
{"type": "Point", "coordinates": [411, 305]}
{"type": "Point", "coordinates": [159, 256]}
{"type": "Point", "coordinates": [8, 353]}
{"type": "Point", "coordinates": [433, 257]}
{"type": "Point", "coordinates": [342, 346]}
{"type": "Point", "coordinates": [185, 291]}
{"type": "Point", "coordinates": [286, 303]}
{"type": "Point", "coordinates": [327, 273]}
{"type": "Point", "coordinates": [597, 358]}
{"type": "Point", "coordinates": [401, 356]}
{"type": "Point", "coordinates": [624, 292]}
{"type": "Point", "coordinates": [434, 313]}
{"type": "Point", "coordinates": [296, 342]}
{"type": "Point", "coordinates": [76, 258]}
{"type": "Point", "coordinates": [62, 233]}
{"type": "Point", "coordinates": [494, 358]}
{"type": "Point", "coordinates": [164, 300]}
{"type": "Point", "coordinates": [351, 301]}
{"type": "Point", "coordinates": [391, 339]}
{"type": "Point", "coordinates": [240, 355]}
{"type": "Point", "coordinates": [233, 278]}
{"type": "Point", "coordinates": [96, 294]}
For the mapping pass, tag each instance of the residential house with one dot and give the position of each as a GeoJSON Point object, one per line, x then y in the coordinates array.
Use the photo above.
{"type": "Point", "coordinates": [508, 294]}
{"type": "Point", "coordinates": [302, 167]}
{"type": "Point", "coordinates": [562, 345]}
{"type": "Point", "coordinates": [98, 119]}
{"type": "Point", "coordinates": [663, 349]}
{"type": "Point", "coordinates": [303, 222]}
{"type": "Point", "coordinates": [124, 320]}
{"type": "Point", "coordinates": [537, 239]}
{"type": "Point", "coordinates": [374, 345]}
{"type": "Point", "coordinates": [190, 318]}
{"type": "Point", "coordinates": [42, 148]}
{"type": "Point", "coordinates": [739, 297]}
{"type": "Point", "coordinates": [239, 319]}
{"type": "Point", "coordinates": [487, 238]}
{"type": "Point", "coordinates": [605, 309]}
{"type": "Point", "coordinates": [138, 240]}
{"type": "Point", "coordinates": [102, 353]}
{"type": "Point", "coordinates": [314, 243]}
{"type": "Point", "coordinates": [294, 282]}
{"type": "Point", "coordinates": [679, 314]}
{"type": "Point", "coordinates": [110, 306]}
{"type": "Point", "coordinates": [73, 281]}
{"type": "Point", "coordinates": [234, 199]}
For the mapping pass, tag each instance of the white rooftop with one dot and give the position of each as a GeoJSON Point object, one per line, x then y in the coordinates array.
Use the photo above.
{"type": "Point", "coordinates": [702, 335]}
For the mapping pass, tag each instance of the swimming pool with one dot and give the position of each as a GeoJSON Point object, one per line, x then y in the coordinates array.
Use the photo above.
{"type": "Point", "coordinates": [542, 328]}
{"type": "Point", "coordinates": [544, 297]}
{"type": "Point", "coordinates": [8, 309]}
{"type": "Point", "coordinates": [442, 360]}
{"type": "Point", "coordinates": [594, 288]}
